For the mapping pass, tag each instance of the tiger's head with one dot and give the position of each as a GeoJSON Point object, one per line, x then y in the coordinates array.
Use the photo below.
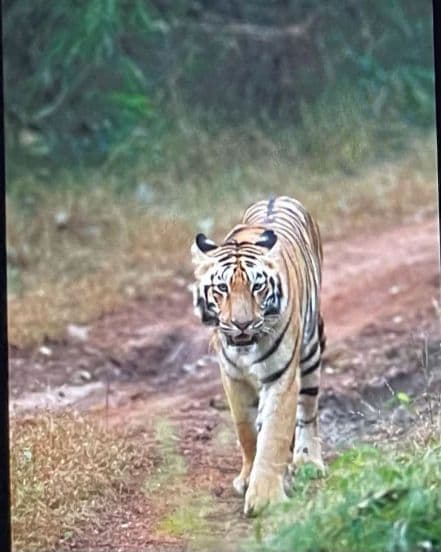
{"type": "Point", "coordinates": [238, 289]}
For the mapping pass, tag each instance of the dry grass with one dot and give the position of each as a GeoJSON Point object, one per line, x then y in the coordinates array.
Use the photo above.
{"type": "Point", "coordinates": [219, 175]}
{"type": "Point", "coordinates": [77, 253]}
{"type": "Point", "coordinates": [104, 253]}
{"type": "Point", "coordinates": [65, 471]}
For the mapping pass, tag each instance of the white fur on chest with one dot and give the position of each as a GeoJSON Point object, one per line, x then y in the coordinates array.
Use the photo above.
{"type": "Point", "coordinates": [244, 364]}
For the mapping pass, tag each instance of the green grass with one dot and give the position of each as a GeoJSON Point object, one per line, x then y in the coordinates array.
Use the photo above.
{"type": "Point", "coordinates": [187, 519]}
{"type": "Point", "coordinates": [184, 506]}
{"type": "Point", "coordinates": [372, 500]}
{"type": "Point", "coordinates": [171, 466]}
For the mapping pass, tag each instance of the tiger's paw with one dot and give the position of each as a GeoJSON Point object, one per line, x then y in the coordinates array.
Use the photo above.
{"type": "Point", "coordinates": [263, 493]}
{"type": "Point", "coordinates": [304, 455]}
{"type": "Point", "coordinates": [240, 484]}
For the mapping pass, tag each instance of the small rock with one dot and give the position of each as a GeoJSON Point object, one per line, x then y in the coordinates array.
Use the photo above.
{"type": "Point", "coordinates": [180, 282]}
{"type": "Point", "coordinates": [46, 351]}
{"type": "Point", "coordinates": [397, 319]}
{"type": "Point", "coordinates": [130, 291]}
{"type": "Point", "coordinates": [78, 332]}
{"type": "Point", "coordinates": [218, 403]}
{"type": "Point", "coordinates": [81, 376]}
{"type": "Point", "coordinates": [394, 290]}
{"type": "Point", "coordinates": [61, 219]}
{"type": "Point", "coordinates": [125, 525]}
{"type": "Point", "coordinates": [206, 360]}
{"type": "Point", "coordinates": [144, 193]}
{"type": "Point", "coordinates": [189, 368]}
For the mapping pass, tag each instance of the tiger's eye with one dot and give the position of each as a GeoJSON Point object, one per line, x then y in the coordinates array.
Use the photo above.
{"type": "Point", "coordinates": [258, 287]}
{"type": "Point", "coordinates": [223, 287]}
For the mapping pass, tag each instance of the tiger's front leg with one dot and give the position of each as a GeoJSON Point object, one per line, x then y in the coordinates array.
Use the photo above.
{"type": "Point", "coordinates": [242, 399]}
{"type": "Point", "coordinates": [307, 439]}
{"type": "Point", "coordinates": [276, 422]}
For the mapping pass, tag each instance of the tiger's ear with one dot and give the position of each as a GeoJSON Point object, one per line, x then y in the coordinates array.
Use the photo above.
{"type": "Point", "coordinates": [204, 244]}
{"type": "Point", "coordinates": [201, 246]}
{"type": "Point", "coordinates": [267, 239]}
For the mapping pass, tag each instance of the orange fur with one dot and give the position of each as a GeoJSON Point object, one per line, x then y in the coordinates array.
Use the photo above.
{"type": "Point", "coordinates": [278, 242]}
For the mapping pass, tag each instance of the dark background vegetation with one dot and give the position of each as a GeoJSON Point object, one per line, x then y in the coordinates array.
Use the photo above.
{"type": "Point", "coordinates": [89, 77]}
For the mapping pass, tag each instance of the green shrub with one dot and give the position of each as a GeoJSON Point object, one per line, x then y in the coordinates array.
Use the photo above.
{"type": "Point", "coordinates": [86, 77]}
{"type": "Point", "coordinates": [373, 500]}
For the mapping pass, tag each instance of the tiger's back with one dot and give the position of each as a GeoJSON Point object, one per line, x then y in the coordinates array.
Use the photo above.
{"type": "Point", "coordinates": [302, 248]}
{"type": "Point", "coordinates": [289, 219]}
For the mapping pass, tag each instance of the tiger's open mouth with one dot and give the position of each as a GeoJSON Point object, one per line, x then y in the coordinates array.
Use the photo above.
{"type": "Point", "coordinates": [241, 340]}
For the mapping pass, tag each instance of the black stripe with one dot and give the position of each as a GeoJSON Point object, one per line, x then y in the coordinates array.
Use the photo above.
{"type": "Point", "coordinates": [279, 373]}
{"type": "Point", "coordinates": [275, 375]}
{"type": "Point", "coordinates": [279, 287]}
{"type": "Point", "coordinates": [275, 345]}
{"type": "Point", "coordinates": [295, 214]}
{"type": "Point", "coordinates": [311, 369]}
{"type": "Point", "coordinates": [311, 352]}
{"type": "Point", "coordinates": [228, 358]}
{"type": "Point", "coordinates": [311, 391]}
{"type": "Point", "coordinates": [303, 423]}
{"type": "Point", "coordinates": [270, 207]}
{"type": "Point", "coordinates": [225, 257]}
{"type": "Point", "coordinates": [249, 255]}
{"type": "Point", "coordinates": [322, 336]}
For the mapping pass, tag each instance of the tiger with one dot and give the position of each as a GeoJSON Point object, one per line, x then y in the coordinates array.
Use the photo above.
{"type": "Point", "coordinates": [260, 290]}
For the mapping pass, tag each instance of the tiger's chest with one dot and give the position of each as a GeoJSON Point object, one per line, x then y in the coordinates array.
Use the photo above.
{"type": "Point", "coordinates": [252, 364]}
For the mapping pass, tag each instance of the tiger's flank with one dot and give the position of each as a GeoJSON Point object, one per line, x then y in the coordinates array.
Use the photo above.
{"type": "Point", "coordinates": [260, 290]}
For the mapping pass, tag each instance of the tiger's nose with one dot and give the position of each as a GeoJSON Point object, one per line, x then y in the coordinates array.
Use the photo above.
{"type": "Point", "coordinates": [242, 325]}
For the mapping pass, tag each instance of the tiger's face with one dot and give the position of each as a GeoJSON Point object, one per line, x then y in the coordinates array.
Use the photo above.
{"type": "Point", "coordinates": [239, 289]}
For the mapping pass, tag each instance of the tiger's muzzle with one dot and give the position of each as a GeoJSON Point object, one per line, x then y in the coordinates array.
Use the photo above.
{"type": "Point", "coordinates": [242, 334]}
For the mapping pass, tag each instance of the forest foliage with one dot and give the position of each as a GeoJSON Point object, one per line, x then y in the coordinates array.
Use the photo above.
{"type": "Point", "coordinates": [83, 77]}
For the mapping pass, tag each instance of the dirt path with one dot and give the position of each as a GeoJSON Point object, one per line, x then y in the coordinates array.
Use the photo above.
{"type": "Point", "coordinates": [148, 365]}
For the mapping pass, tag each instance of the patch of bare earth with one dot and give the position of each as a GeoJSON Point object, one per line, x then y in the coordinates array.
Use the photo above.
{"type": "Point", "coordinates": [149, 361]}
